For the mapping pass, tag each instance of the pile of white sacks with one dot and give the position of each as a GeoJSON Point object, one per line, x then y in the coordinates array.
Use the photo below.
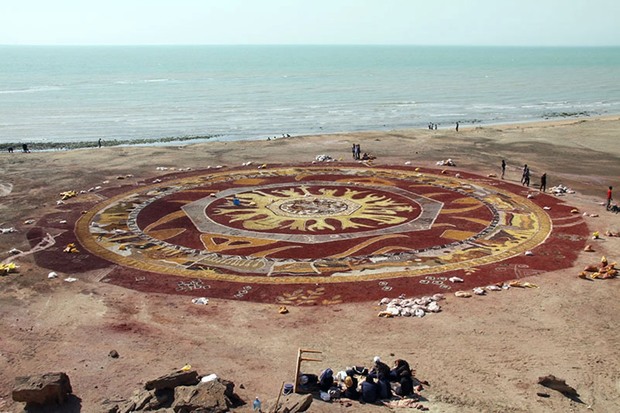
{"type": "Point", "coordinates": [561, 190]}
{"type": "Point", "coordinates": [408, 307]}
{"type": "Point", "coordinates": [324, 158]}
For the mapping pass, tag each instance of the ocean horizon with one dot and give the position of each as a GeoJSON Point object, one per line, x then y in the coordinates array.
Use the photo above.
{"type": "Point", "coordinates": [159, 94]}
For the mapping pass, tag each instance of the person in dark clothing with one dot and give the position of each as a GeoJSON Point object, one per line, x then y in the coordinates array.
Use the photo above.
{"type": "Point", "coordinates": [308, 383]}
{"type": "Point", "coordinates": [369, 390]}
{"type": "Point", "coordinates": [380, 370]}
{"type": "Point", "coordinates": [525, 179]}
{"type": "Point", "coordinates": [384, 389]}
{"type": "Point", "coordinates": [543, 182]}
{"type": "Point", "coordinates": [350, 388]}
{"type": "Point", "coordinates": [359, 370]}
{"type": "Point", "coordinates": [326, 380]}
{"type": "Point", "coordinates": [401, 373]}
{"type": "Point", "coordinates": [503, 168]}
{"type": "Point", "coordinates": [401, 368]}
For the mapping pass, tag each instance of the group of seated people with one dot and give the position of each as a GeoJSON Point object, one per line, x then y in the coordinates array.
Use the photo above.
{"type": "Point", "coordinates": [378, 383]}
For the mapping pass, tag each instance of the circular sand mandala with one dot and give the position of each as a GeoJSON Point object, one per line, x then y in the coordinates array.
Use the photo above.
{"type": "Point", "coordinates": [308, 235]}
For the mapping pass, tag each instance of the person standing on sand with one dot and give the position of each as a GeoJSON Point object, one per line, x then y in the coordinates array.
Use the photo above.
{"type": "Point", "coordinates": [609, 197]}
{"type": "Point", "coordinates": [99, 143]}
{"type": "Point", "coordinates": [543, 182]}
{"type": "Point", "coordinates": [503, 168]}
{"type": "Point", "coordinates": [457, 126]}
{"type": "Point", "coordinates": [525, 179]}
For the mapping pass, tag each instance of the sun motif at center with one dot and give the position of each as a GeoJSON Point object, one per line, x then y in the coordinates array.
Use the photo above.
{"type": "Point", "coordinates": [313, 209]}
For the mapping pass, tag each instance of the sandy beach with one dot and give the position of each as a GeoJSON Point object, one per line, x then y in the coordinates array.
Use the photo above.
{"type": "Point", "coordinates": [481, 354]}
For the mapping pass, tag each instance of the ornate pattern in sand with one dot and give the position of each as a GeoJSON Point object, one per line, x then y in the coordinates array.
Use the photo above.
{"type": "Point", "coordinates": [303, 225]}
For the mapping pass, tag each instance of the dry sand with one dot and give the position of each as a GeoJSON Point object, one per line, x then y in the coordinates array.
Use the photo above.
{"type": "Point", "coordinates": [482, 354]}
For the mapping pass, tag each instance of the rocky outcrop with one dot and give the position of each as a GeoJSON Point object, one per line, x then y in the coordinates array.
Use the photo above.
{"type": "Point", "coordinates": [214, 397]}
{"type": "Point", "coordinates": [48, 388]}
{"type": "Point", "coordinates": [291, 403]}
{"type": "Point", "coordinates": [180, 392]}
{"type": "Point", "coordinates": [172, 380]}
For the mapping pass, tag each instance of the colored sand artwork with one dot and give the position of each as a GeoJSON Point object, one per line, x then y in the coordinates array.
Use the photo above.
{"type": "Point", "coordinates": [310, 235]}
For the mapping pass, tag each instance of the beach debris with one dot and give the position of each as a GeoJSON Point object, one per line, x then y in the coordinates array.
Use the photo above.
{"type": "Point", "coordinates": [457, 176]}
{"type": "Point", "coordinates": [546, 208]}
{"type": "Point", "coordinates": [70, 279]}
{"type": "Point", "coordinates": [8, 268]}
{"type": "Point", "coordinates": [595, 235]}
{"type": "Point", "coordinates": [67, 194]}
{"type": "Point", "coordinates": [522, 284]}
{"type": "Point", "coordinates": [70, 249]}
{"type": "Point", "coordinates": [462, 294]}
{"type": "Point", "coordinates": [604, 271]}
{"type": "Point", "coordinates": [7, 230]}
{"type": "Point", "coordinates": [574, 211]}
{"type": "Point", "coordinates": [455, 280]}
{"type": "Point", "coordinates": [408, 163]}
{"type": "Point", "coordinates": [529, 253]}
{"type": "Point", "coordinates": [479, 291]}
{"type": "Point", "coordinates": [493, 287]}
{"type": "Point", "coordinates": [200, 300]}
{"type": "Point", "coordinates": [283, 310]}
{"type": "Point", "coordinates": [156, 181]}
{"type": "Point", "coordinates": [560, 190]}
{"type": "Point", "coordinates": [62, 221]}
{"type": "Point", "coordinates": [186, 367]}
{"type": "Point", "coordinates": [52, 275]}
{"type": "Point", "coordinates": [208, 378]}
{"type": "Point", "coordinates": [612, 233]}
{"type": "Point", "coordinates": [113, 354]}
{"type": "Point", "coordinates": [405, 404]}
{"type": "Point", "coordinates": [248, 163]}
{"type": "Point", "coordinates": [407, 307]}
{"type": "Point", "coordinates": [263, 166]}
{"type": "Point", "coordinates": [558, 384]}
{"type": "Point", "coordinates": [323, 158]}
{"type": "Point", "coordinates": [15, 251]}
{"type": "Point", "coordinates": [105, 182]}
{"type": "Point", "coordinates": [492, 176]}
{"type": "Point", "coordinates": [588, 248]}
{"type": "Point", "coordinates": [446, 162]}
{"type": "Point", "coordinates": [29, 222]}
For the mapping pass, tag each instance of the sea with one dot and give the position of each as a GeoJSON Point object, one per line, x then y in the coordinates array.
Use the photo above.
{"type": "Point", "coordinates": [154, 94]}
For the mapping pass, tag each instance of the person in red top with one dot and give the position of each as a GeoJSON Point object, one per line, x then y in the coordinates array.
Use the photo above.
{"type": "Point", "coordinates": [609, 197]}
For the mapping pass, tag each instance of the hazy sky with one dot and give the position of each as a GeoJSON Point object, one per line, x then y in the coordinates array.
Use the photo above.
{"type": "Point", "coordinates": [418, 22]}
